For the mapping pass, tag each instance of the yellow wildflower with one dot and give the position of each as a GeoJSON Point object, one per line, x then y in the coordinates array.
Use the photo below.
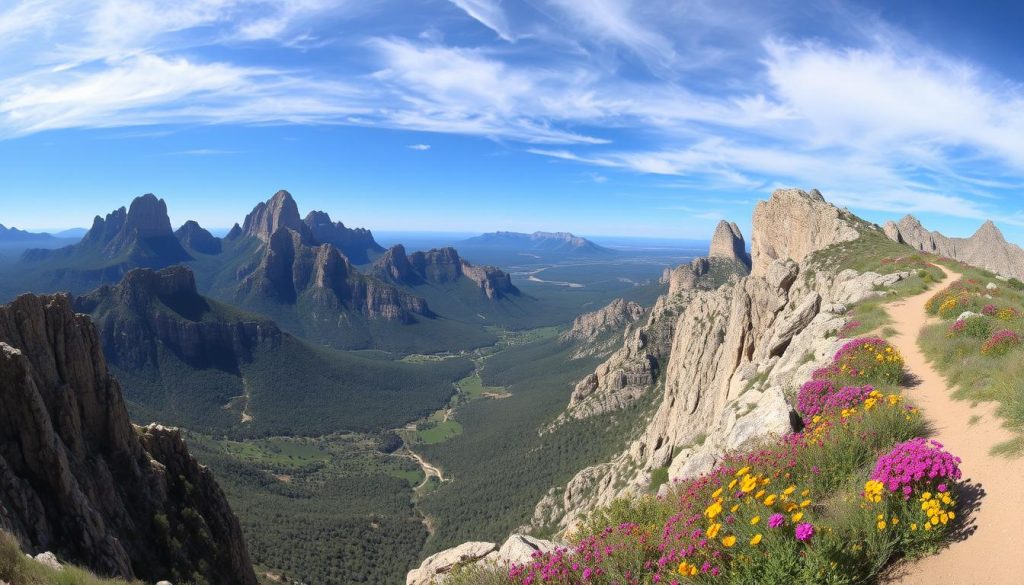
{"type": "Point", "coordinates": [728, 541]}
{"type": "Point", "coordinates": [756, 540]}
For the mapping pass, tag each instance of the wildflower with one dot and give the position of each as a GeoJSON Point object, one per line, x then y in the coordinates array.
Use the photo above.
{"type": "Point", "coordinates": [729, 541]}
{"type": "Point", "coordinates": [755, 520]}
{"type": "Point", "coordinates": [713, 530]}
{"type": "Point", "coordinates": [768, 501]}
{"type": "Point", "coordinates": [756, 540]}
{"type": "Point", "coordinates": [804, 532]}
{"type": "Point", "coordinates": [776, 520]}
{"type": "Point", "coordinates": [797, 517]}
{"type": "Point", "coordinates": [881, 524]}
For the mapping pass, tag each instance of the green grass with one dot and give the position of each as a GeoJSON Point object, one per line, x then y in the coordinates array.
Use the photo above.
{"type": "Point", "coordinates": [17, 569]}
{"type": "Point", "coordinates": [435, 432]}
{"type": "Point", "coordinates": [472, 387]}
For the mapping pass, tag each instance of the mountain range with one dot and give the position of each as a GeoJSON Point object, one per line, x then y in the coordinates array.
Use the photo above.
{"type": "Point", "coordinates": [537, 242]}
{"type": "Point", "coordinates": [986, 247]}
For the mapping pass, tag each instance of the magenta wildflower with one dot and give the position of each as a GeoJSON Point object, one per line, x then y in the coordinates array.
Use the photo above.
{"type": "Point", "coordinates": [804, 531]}
{"type": "Point", "coordinates": [776, 520]}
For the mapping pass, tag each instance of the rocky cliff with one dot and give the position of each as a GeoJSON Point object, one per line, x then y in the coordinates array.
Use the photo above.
{"type": "Point", "coordinates": [78, 479]}
{"type": "Point", "coordinates": [151, 309]}
{"type": "Point", "coordinates": [986, 247]}
{"type": "Point", "coordinates": [728, 352]}
{"type": "Point", "coordinates": [588, 329]}
{"type": "Point", "coordinates": [440, 266]}
{"type": "Point", "coordinates": [192, 236]}
{"type": "Point", "coordinates": [277, 213]}
{"type": "Point", "coordinates": [355, 243]}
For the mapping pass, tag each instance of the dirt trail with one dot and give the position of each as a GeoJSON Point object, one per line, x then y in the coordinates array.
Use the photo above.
{"type": "Point", "coordinates": [990, 551]}
{"type": "Point", "coordinates": [428, 469]}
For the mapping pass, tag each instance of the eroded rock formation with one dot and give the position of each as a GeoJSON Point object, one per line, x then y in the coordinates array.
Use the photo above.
{"type": "Point", "coordinates": [77, 478]}
{"type": "Point", "coordinates": [440, 266]}
{"type": "Point", "coordinates": [986, 247]}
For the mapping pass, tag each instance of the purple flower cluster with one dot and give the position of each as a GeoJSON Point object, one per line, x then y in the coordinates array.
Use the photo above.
{"type": "Point", "coordinates": [989, 310]}
{"type": "Point", "coordinates": [820, 396]}
{"type": "Point", "coordinates": [776, 520]}
{"type": "Point", "coordinates": [1000, 342]}
{"type": "Point", "coordinates": [914, 463]}
{"type": "Point", "coordinates": [804, 531]}
{"type": "Point", "coordinates": [850, 348]}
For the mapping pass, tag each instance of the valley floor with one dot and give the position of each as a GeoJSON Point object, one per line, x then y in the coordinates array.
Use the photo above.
{"type": "Point", "coordinates": [988, 549]}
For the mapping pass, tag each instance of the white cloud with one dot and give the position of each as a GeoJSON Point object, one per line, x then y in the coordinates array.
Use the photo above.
{"type": "Point", "coordinates": [490, 14]}
{"type": "Point", "coordinates": [419, 146]}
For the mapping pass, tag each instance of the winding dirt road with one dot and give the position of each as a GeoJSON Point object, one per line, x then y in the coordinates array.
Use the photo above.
{"type": "Point", "coordinates": [988, 550]}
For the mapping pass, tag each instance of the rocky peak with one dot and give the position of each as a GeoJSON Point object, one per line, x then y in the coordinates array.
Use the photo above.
{"type": "Point", "coordinates": [394, 266]}
{"type": "Point", "coordinates": [792, 224]}
{"type": "Point", "coordinates": [280, 211]}
{"type": "Point", "coordinates": [728, 242]}
{"type": "Point", "coordinates": [986, 248]}
{"type": "Point", "coordinates": [234, 233]}
{"type": "Point", "coordinates": [437, 265]}
{"type": "Point", "coordinates": [193, 236]}
{"type": "Point", "coordinates": [78, 479]}
{"type": "Point", "coordinates": [143, 285]}
{"type": "Point", "coordinates": [147, 216]}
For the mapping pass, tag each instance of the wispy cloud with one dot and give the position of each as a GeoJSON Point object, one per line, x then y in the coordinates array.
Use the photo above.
{"type": "Point", "coordinates": [490, 14]}
{"type": "Point", "coordinates": [419, 146]}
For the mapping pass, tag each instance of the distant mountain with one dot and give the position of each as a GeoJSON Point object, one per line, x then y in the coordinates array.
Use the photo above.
{"type": "Point", "coordinates": [139, 236]}
{"type": "Point", "coordinates": [357, 244]}
{"type": "Point", "coordinates": [275, 264]}
{"type": "Point", "coordinates": [193, 237]}
{"type": "Point", "coordinates": [986, 248]}
{"type": "Point", "coordinates": [441, 266]}
{"type": "Point", "coordinates": [13, 239]}
{"type": "Point", "coordinates": [551, 242]}
{"type": "Point", "coordinates": [189, 360]}
{"type": "Point", "coordinates": [73, 233]}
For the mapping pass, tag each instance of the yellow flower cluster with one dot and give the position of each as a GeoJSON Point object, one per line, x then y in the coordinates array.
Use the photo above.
{"type": "Point", "coordinates": [687, 569]}
{"type": "Point", "coordinates": [939, 509]}
{"type": "Point", "coordinates": [750, 491]}
{"type": "Point", "coordinates": [873, 490]}
{"type": "Point", "coordinates": [882, 524]}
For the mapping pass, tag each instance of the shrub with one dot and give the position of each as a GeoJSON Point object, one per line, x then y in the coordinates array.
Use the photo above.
{"type": "Point", "coordinates": [918, 464]}
{"type": "Point", "coordinates": [977, 327]}
{"type": "Point", "coordinates": [868, 360]}
{"type": "Point", "coordinates": [1000, 343]}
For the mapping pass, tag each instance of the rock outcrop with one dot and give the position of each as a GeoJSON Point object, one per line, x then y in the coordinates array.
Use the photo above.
{"type": "Point", "coordinates": [440, 266]}
{"type": "Point", "coordinates": [193, 237]}
{"type": "Point", "coordinates": [355, 243]}
{"type": "Point", "coordinates": [517, 549]}
{"type": "Point", "coordinates": [727, 242]}
{"type": "Point", "coordinates": [631, 372]}
{"type": "Point", "coordinates": [77, 479]}
{"type": "Point", "coordinates": [794, 223]}
{"type": "Point", "coordinates": [986, 247]}
{"type": "Point", "coordinates": [589, 329]}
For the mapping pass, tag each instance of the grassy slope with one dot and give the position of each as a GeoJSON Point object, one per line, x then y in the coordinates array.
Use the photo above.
{"type": "Point", "coordinates": [17, 569]}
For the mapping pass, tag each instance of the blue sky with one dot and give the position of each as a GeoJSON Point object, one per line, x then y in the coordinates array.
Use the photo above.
{"type": "Point", "coordinates": [641, 118]}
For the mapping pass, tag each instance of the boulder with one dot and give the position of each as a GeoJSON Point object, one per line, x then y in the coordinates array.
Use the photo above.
{"type": "Point", "coordinates": [50, 560]}
{"type": "Point", "coordinates": [436, 566]}
{"type": "Point", "coordinates": [520, 549]}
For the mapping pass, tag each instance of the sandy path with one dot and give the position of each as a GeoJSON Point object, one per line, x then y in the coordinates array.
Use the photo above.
{"type": "Point", "coordinates": [990, 550]}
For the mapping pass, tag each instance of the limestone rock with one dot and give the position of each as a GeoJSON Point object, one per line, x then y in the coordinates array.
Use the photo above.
{"type": "Point", "coordinates": [436, 566]}
{"type": "Point", "coordinates": [986, 248]}
{"type": "Point", "coordinates": [49, 559]}
{"type": "Point", "coordinates": [520, 549]}
{"type": "Point", "coordinates": [794, 223]}
{"type": "Point", "coordinates": [727, 242]}
{"type": "Point", "coordinates": [588, 328]}
{"type": "Point", "coordinates": [78, 479]}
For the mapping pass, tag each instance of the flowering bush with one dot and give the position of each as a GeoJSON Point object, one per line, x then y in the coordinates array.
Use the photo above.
{"type": "Point", "coordinates": [978, 327]}
{"type": "Point", "coordinates": [868, 360]}
{"type": "Point", "coordinates": [1006, 314]}
{"type": "Point", "coordinates": [1000, 343]}
{"type": "Point", "coordinates": [914, 464]}
{"type": "Point", "coordinates": [848, 328]}
{"type": "Point", "coordinates": [989, 310]}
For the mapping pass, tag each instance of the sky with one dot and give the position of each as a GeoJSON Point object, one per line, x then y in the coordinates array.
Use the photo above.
{"type": "Point", "coordinates": [601, 117]}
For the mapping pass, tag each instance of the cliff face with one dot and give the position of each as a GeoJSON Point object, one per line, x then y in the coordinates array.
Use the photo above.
{"type": "Point", "coordinates": [151, 308]}
{"type": "Point", "coordinates": [728, 350]}
{"type": "Point", "coordinates": [794, 223]}
{"type": "Point", "coordinates": [727, 242]}
{"type": "Point", "coordinates": [78, 479]}
{"type": "Point", "coordinates": [279, 212]}
{"type": "Point", "coordinates": [440, 266]}
{"type": "Point", "coordinates": [986, 247]}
